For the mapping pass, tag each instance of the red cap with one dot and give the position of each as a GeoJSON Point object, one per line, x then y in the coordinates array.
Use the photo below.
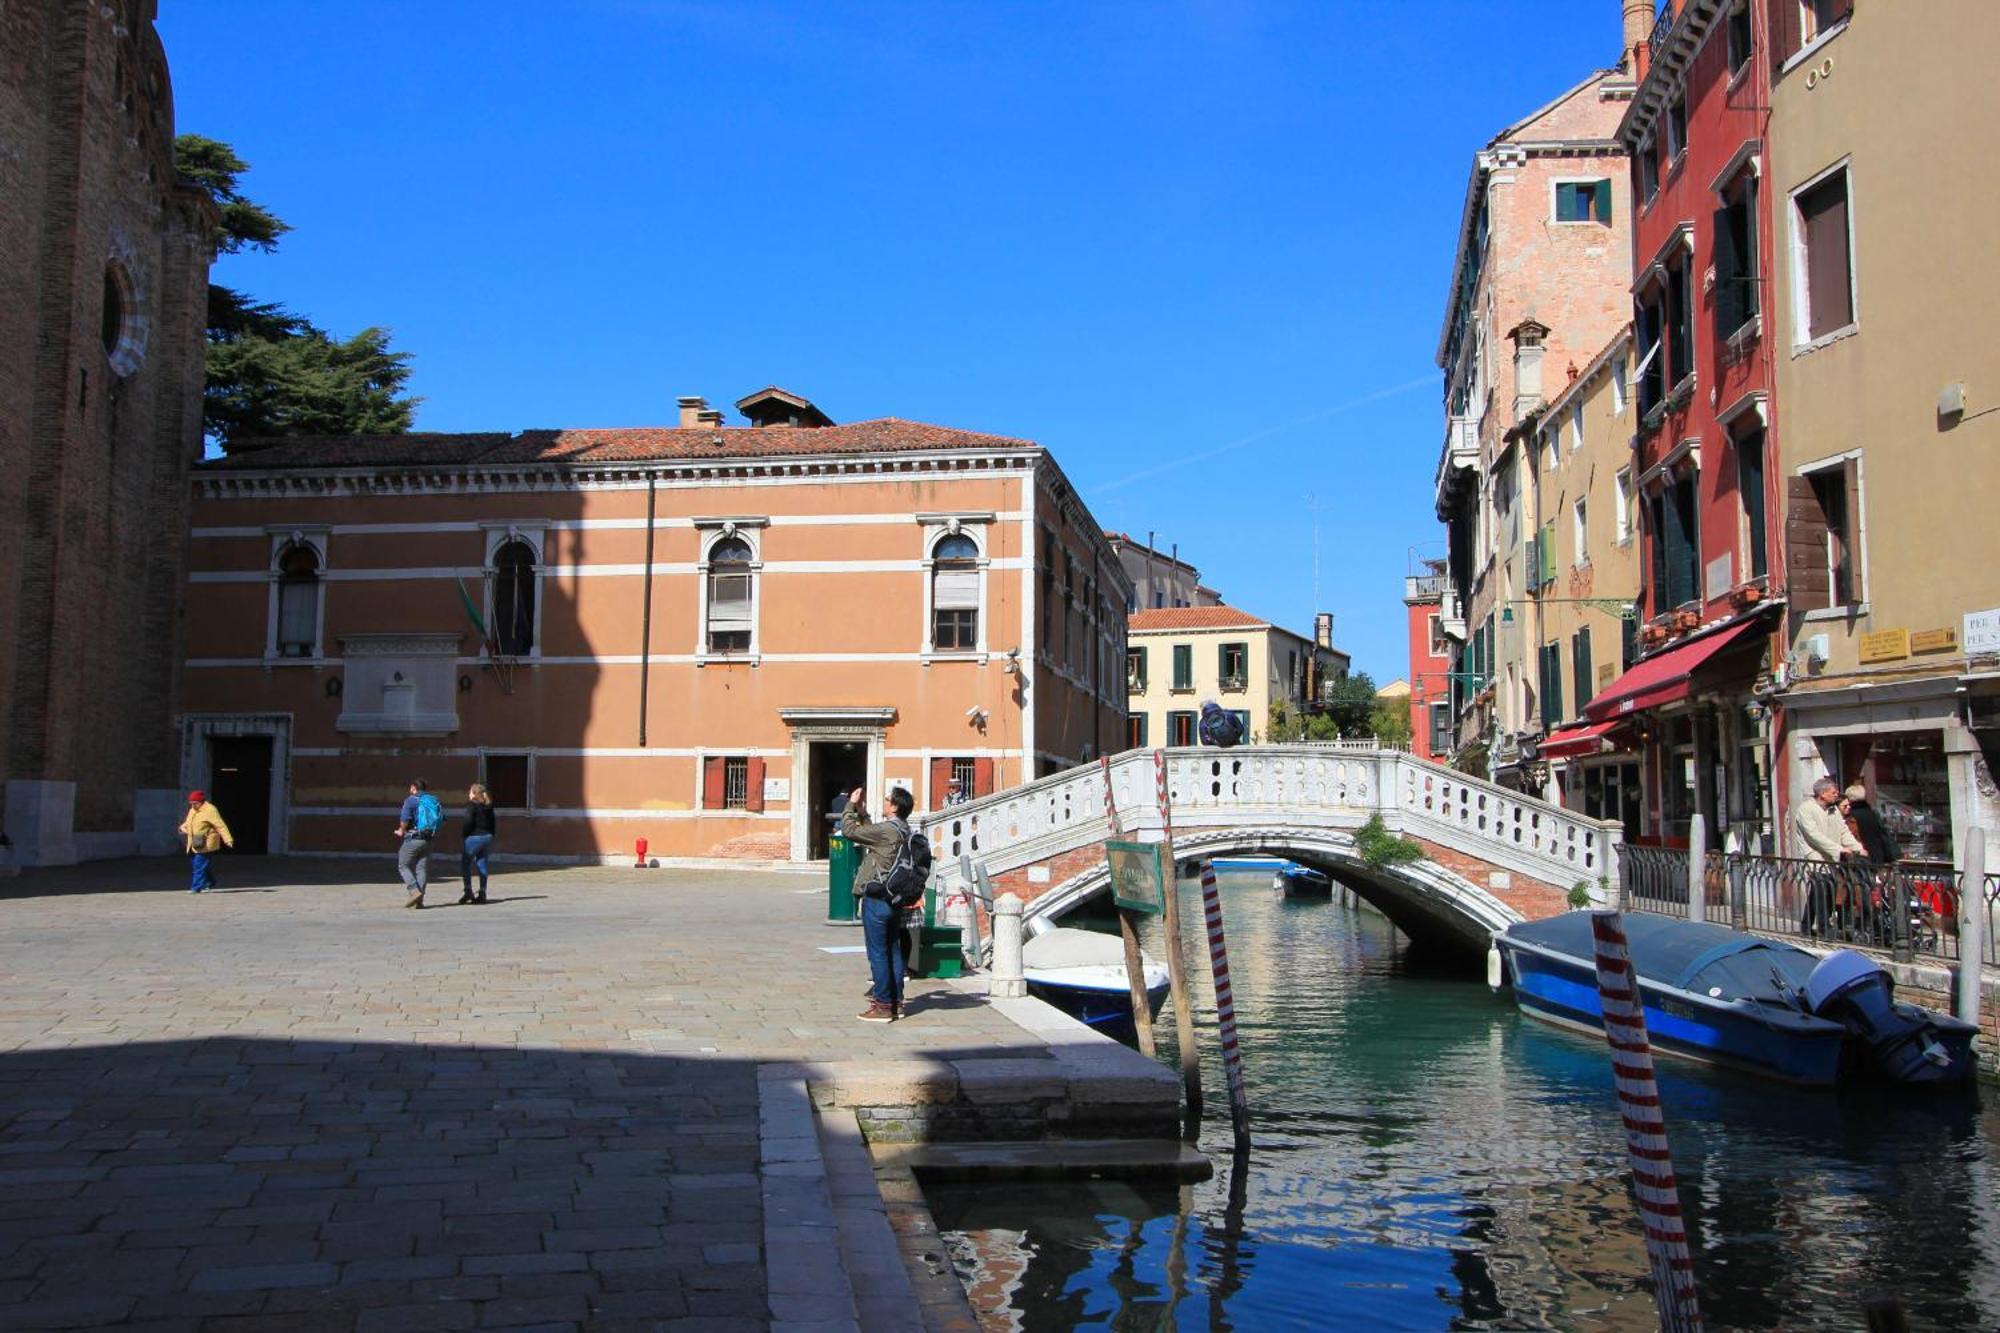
{"type": "Point", "coordinates": [197, 797]}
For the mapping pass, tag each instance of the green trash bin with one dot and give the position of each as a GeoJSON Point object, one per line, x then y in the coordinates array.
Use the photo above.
{"type": "Point", "coordinates": [843, 858]}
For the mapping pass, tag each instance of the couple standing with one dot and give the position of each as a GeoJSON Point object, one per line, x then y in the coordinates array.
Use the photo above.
{"type": "Point", "coordinates": [418, 823]}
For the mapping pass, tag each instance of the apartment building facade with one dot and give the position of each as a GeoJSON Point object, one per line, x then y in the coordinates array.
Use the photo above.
{"type": "Point", "coordinates": [1888, 379]}
{"type": "Point", "coordinates": [697, 635]}
{"type": "Point", "coordinates": [1429, 600]}
{"type": "Point", "coordinates": [1538, 285]}
{"type": "Point", "coordinates": [1160, 579]}
{"type": "Point", "coordinates": [1179, 658]}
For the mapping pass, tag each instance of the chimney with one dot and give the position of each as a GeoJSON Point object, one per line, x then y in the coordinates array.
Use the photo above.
{"type": "Point", "coordinates": [1638, 32]}
{"type": "Point", "coordinates": [1527, 336]}
{"type": "Point", "coordinates": [709, 416]}
{"type": "Point", "coordinates": [1323, 629]}
{"type": "Point", "coordinates": [692, 406]}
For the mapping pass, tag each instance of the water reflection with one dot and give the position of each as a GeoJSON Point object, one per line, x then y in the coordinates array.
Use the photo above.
{"type": "Point", "coordinates": [1425, 1158]}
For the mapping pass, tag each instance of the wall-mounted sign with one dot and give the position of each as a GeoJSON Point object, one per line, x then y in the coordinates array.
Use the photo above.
{"type": "Point", "coordinates": [1885, 645]}
{"type": "Point", "coordinates": [1982, 631]}
{"type": "Point", "coordinates": [1941, 640]}
{"type": "Point", "coordinates": [1138, 876]}
{"type": "Point", "coordinates": [777, 789]}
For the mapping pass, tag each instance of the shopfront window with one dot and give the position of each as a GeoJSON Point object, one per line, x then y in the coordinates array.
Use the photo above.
{"type": "Point", "coordinates": [1909, 784]}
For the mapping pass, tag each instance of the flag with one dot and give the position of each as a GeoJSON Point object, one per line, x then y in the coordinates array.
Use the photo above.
{"type": "Point", "coordinates": [478, 622]}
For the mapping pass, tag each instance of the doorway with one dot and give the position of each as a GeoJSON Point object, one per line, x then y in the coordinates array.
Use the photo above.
{"type": "Point", "coordinates": [239, 782]}
{"type": "Point", "coordinates": [835, 768]}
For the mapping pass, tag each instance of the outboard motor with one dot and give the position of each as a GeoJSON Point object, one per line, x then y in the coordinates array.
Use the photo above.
{"type": "Point", "coordinates": [1899, 1042]}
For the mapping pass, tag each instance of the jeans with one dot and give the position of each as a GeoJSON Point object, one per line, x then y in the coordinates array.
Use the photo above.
{"type": "Point", "coordinates": [888, 944]}
{"type": "Point", "coordinates": [474, 858]}
{"type": "Point", "coordinates": [413, 863]}
{"type": "Point", "coordinates": [203, 872]}
{"type": "Point", "coordinates": [1817, 920]}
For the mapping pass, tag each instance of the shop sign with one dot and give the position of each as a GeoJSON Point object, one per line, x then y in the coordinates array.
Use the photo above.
{"type": "Point", "coordinates": [1982, 631]}
{"type": "Point", "coordinates": [1941, 640]}
{"type": "Point", "coordinates": [1885, 645]}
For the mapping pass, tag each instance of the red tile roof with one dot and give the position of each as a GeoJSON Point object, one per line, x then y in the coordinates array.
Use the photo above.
{"type": "Point", "coordinates": [619, 445]}
{"type": "Point", "coordinates": [1193, 617]}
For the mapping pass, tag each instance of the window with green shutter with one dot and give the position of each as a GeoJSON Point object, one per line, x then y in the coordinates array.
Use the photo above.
{"type": "Point", "coordinates": [1579, 650]}
{"type": "Point", "coordinates": [1183, 666]}
{"type": "Point", "coordinates": [1583, 201]}
{"type": "Point", "coordinates": [1552, 685]}
{"type": "Point", "coordinates": [1232, 665]}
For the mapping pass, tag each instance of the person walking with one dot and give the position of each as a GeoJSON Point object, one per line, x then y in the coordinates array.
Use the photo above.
{"type": "Point", "coordinates": [881, 921]}
{"type": "Point", "coordinates": [203, 834]}
{"type": "Point", "coordinates": [1824, 840]}
{"type": "Point", "coordinates": [416, 825]}
{"type": "Point", "coordinates": [478, 841]}
{"type": "Point", "coordinates": [1869, 828]}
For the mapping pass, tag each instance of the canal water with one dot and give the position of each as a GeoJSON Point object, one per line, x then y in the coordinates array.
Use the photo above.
{"type": "Point", "coordinates": [1426, 1158]}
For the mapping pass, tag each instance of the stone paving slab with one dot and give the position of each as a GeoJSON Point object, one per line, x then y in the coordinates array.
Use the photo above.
{"type": "Point", "coordinates": [291, 1103]}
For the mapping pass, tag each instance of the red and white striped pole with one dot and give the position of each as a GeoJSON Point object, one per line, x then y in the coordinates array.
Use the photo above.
{"type": "Point", "coordinates": [1171, 914]}
{"type": "Point", "coordinates": [1225, 1005]}
{"type": "Point", "coordinates": [1645, 1129]}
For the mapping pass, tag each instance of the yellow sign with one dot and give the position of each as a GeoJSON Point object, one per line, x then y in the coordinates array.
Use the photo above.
{"type": "Point", "coordinates": [1935, 640]}
{"type": "Point", "coordinates": [1885, 645]}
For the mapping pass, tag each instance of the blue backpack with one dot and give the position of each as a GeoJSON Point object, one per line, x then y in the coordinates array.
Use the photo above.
{"type": "Point", "coordinates": [430, 814]}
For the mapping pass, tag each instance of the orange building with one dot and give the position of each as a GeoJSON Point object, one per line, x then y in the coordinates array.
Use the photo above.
{"type": "Point", "coordinates": [698, 635]}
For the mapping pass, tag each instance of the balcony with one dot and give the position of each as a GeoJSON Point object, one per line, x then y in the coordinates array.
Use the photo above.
{"type": "Point", "coordinates": [1426, 587]}
{"type": "Point", "coordinates": [1461, 442]}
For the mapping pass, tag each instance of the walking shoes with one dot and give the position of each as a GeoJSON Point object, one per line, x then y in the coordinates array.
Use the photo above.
{"type": "Point", "coordinates": [415, 900]}
{"type": "Point", "coordinates": [877, 1012]}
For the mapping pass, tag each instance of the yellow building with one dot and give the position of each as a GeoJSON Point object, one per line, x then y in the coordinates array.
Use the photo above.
{"type": "Point", "coordinates": [1179, 658]}
{"type": "Point", "coordinates": [1888, 397]}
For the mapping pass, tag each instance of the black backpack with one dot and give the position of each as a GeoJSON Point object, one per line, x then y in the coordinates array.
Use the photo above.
{"type": "Point", "coordinates": [903, 885]}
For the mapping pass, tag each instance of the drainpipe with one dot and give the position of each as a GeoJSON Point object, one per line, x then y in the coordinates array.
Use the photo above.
{"type": "Point", "coordinates": [646, 610]}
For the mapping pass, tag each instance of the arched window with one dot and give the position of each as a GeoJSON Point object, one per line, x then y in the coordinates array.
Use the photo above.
{"type": "Point", "coordinates": [513, 626]}
{"type": "Point", "coordinates": [955, 594]}
{"type": "Point", "coordinates": [729, 595]}
{"type": "Point", "coordinates": [298, 601]}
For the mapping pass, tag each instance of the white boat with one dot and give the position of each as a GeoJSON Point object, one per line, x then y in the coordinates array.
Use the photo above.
{"type": "Point", "coordinates": [1082, 973]}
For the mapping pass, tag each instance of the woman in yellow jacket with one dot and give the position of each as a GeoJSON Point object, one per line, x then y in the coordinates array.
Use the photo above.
{"type": "Point", "coordinates": [204, 834]}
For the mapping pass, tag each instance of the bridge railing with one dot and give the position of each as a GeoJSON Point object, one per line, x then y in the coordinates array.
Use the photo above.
{"type": "Point", "coordinates": [1313, 787]}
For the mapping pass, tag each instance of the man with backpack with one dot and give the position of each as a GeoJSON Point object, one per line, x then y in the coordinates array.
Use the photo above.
{"type": "Point", "coordinates": [417, 824]}
{"type": "Point", "coordinates": [895, 866]}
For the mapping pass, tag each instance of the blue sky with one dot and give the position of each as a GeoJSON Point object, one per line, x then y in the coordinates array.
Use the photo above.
{"type": "Point", "coordinates": [1197, 248]}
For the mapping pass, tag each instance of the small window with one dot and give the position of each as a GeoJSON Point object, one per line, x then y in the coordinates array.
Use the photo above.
{"type": "Point", "coordinates": [1750, 487]}
{"type": "Point", "coordinates": [506, 779]}
{"type": "Point", "coordinates": [1649, 326]}
{"type": "Point", "coordinates": [964, 778]}
{"type": "Point", "coordinates": [1835, 495]}
{"type": "Point", "coordinates": [736, 782]}
{"type": "Point", "coordinates": [1180, 728]}
{"type": "Point", "coordinates": [298, 601]}
{"type": "Point", "coordinates": [111, 326]}
{"type": "Point", "coordinates": [1183, 666]}
{"type": "Point", "coordinates": [1580, 516]}
{"type": "Point", "coordinates": [513, 628]}
{"type": "Point", "coordinates": [1739, 37]}
{"type": "Point", "coordinates": [1622, 492]}
{"type": "Point", "coordinates": [1818, 17]}
{"type": "Point", "coordinates": [955, 594]}
{"type": "Point", "coordinates": [1583, 201]}
{"type": "Point", "coordinates": [1620, 385]}
{"type": "Point", "coordinates": [1440, 729]}
{"type": "Point", "coordinates": [1736, 256]}
{"type": "Point", "coordinates": [1135, 732]}
{"type": "Point", "coordinates": [1576, 428]}
{"type": "Point", "coordinates": [1822, 264]}
{"type": "Point", "coordinates": [1440, 645]}
{"type": "Point", "coordinates": [1680, 320]}
{"type": "Point", "coordinates": [729, 596]}
{"type": "Point", "coordinates": [1646, 171]}
{"type": "Point", "coordinates": [1677, 127]}
{"type": "Point", "coordinates": [1234, 665]}
{"type": "Point", "coordinates": [1135, 670]}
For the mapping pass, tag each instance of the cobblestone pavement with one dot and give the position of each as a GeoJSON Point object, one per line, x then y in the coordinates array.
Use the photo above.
{"type": "Point", "coordinates": [292, 1104]}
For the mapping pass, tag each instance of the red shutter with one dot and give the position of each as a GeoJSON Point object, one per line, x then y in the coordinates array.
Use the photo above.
{"type": "Point", "coordinates": [982, 777]}
{"type": "Point", "coordinates": [753, 785]}
{"type": "Point", "coordinates": [940, 782]}
{"type": "Point", "coordinates": [711, 782]}
{"type": "Point", "coordinates": [1784, 29]}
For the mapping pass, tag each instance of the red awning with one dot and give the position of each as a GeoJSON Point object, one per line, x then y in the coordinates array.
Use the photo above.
{"type": "Point", "coordinates": [1575, 742]}
{"type": "Point", "coordinates": [1668, 677]}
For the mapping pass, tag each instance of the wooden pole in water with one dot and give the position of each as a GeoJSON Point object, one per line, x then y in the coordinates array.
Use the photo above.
{"type": "Point", "coordinates": [1974, 916]}
{"type": "Point", "coordinates": [1697, 883]}
{"type": "Point", "coordinates": [1128, 927]}
{"type": "Point", "coordinates": [1225, 1006]}
{"type": "Point", "coordinates": [1646, 1148]}
{"type": "Point", "coordinates": [1183, 1012]}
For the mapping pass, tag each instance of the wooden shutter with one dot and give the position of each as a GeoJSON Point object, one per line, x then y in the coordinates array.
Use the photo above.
{"type": "Point", "coordinates": [1580, 667]}
{"type": "Point", "coordinates": [711, 782]}
{"type": "Point", "coordinates": [1728, 275]}
{"type": "Point", "coordinates": [1849, 550]}
{"type": "Point", "coordinates": [1808, 586]}
{"type": "Point", "coordinates": [1784, 28]}
{"type": "Point", "coordinates": [940, 782]}
{"type": "Point", "coordinates": [1829, 289]}
{"type": "Point", "coordinates": [982, 777]}
{"type": "Point", "coordinates": [753, 785]}
{"type": "Point", "coordinates": [1656, 538]}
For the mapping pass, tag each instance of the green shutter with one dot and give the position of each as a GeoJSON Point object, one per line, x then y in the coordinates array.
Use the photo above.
{"type": "Point", "coordinates": [1601, 203]}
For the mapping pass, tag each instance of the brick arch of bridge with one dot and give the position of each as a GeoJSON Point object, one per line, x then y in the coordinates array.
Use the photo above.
{"type": "Point", "coordinates": [1447, 897]}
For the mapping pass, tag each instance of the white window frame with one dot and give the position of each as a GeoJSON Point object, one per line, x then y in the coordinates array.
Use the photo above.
{"type": "Point", "coordinates": [534, 532]}
{"type": "Point", "coordinates": [283, 537]}
{"type": "Point", "coordinates": [1555, 193]}
{"type": "Point", "coordinates": [937, 527]}
{"type": "Point", "coordinates": [1622, 488]}
{"type": "Point", "coordinates": [713, 530]}
{"type": "Point", "coordinates": [511, 751]}
{"type": "Point", "coordinates": [1580, 519]}
{"type": "Point", "coordinates": [1621, 387]}
{"type": "Point", "coordinates": [1796, 246]}
{"type": "Point", "coordinates": [1576, 426]}
{"type": "Point", "coordinates": [1859, 607]}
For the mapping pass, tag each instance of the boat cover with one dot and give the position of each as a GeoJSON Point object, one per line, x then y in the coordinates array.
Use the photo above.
{"type": "Point", "coordinates": [1066, 946]}
{"type": "Point", "coordinates": [1688, 955]}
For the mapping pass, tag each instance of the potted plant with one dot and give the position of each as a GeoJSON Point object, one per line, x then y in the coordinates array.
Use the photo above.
{"type": "Point", "coordinates": [1748, 595]}
{"type": "Point", "coordinates": [1686, 620]}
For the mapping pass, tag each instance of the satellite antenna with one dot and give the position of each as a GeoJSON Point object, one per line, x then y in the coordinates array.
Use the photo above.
{"type": "Point", "coordinates": [1313, 507]}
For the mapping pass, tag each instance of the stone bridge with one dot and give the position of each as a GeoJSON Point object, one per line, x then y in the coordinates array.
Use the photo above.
{"type": "Point", "coordinates": [1491, 856]}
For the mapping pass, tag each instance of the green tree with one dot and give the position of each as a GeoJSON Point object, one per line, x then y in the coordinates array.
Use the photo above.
{"type": "Point", "coordinates": [1349, 703]}
{"type": "Point", "coordinates": [1389, 721]}
{"type": "Point", "coordinates": [269, 371]}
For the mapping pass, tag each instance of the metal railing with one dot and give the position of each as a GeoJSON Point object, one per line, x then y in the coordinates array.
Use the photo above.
{"type": "Point", "coordinates": [1417, 586]}
{"type": "Point", "coordinates": [1910, 911]}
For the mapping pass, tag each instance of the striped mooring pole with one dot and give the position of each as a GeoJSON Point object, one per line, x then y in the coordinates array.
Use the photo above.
{"type": "Point", "coordinates": [1225, 1006]}
{"type": "Point", "coordinates": [1176, 969]}
{"type": "Point", "coordinates": [1645, 1128]}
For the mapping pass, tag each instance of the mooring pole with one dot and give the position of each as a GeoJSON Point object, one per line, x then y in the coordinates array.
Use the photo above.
{"type": "Point", "coordinates": [1972, 925]}
{"type": "Point", "coordinates": [1225, 1006]}
{"type": "Point", "coordinates": [1128, 927]}
{"type": "Point", "coordinates": [1646, 1148]}
{"type": "Point", "coordinates": [1183, 1011]}
{"type": "Point", "coordinates": [1697, 867]}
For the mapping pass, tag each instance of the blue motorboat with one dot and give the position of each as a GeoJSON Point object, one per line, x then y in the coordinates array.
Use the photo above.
{"type": "Point", "coordinates": [1303, 882]}
{"type": "Point", "coordinates": [1273, 863]}
{"type": "Point", "coordinates": [1730, 998]}
{"type": "Point", "coordinates": [1082, 973]}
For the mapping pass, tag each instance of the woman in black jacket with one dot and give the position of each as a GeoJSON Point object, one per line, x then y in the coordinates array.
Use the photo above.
{"type": "Point", "coordinates": [478, 841]}
{"type": "Point", "coordinates": [1881, 844]}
